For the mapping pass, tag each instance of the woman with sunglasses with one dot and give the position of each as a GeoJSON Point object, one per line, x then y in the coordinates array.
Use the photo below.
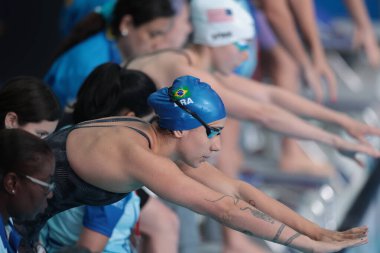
{"type": "Point", "coordinates": [27, 169]}
{"type": "Point", "coordinates": [99, 162]}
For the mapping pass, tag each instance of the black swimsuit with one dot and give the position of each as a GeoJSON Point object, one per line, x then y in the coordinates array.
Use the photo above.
{"type": "Point", "coordinates": [71, 191]}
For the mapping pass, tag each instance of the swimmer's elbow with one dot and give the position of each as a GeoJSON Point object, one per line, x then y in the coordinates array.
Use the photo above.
{"type": "Point", "coordinates": [220, 208]}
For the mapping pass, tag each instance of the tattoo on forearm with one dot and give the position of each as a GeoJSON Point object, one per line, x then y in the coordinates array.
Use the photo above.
{"type": "Point", "coordinates": [259, 214]}
{"type": "Point", "coordinates": [291, 239]}
{"type": "Point", "coordinates": [279, 231]}
{"type": "Point", "coordinates": [236, 200]}
{"type": "Point", "coordinates": [226, 216]}
{"type": "Point", "coordinates": [254, 212]}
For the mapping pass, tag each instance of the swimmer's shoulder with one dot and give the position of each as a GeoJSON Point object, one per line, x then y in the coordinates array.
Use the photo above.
{"type": "Point", "coordinates": [162, 58]}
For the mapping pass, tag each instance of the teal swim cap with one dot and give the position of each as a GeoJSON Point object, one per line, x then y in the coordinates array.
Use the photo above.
{"type": "Point", "coordinates": [196, 96]}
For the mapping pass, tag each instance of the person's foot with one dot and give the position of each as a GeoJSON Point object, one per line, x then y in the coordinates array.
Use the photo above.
{"type": "Point", "coordinates": [295, 160]}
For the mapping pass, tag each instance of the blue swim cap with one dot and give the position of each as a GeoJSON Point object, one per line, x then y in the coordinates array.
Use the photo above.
{"type": "Point", "coordinates": [193, 94]}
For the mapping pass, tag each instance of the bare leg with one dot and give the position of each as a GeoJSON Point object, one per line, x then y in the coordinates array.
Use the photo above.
{"type": "Point", "coordinates": [282, 68]}
{"type": "Point", "coordinates": [158, 234]}
{"type": "Point", "coordinates": [294, 160]}
{"type": "Point", "coordinates": [284, 73]}
{"type": "Point", "coordinates": [235, 242]}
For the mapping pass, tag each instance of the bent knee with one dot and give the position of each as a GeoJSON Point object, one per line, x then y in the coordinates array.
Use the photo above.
{"type": "Point", "coordinates": [167, 222]}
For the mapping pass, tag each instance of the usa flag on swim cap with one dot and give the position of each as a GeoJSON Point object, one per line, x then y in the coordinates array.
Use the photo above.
{"type": "Point", "coordinates": [220, 22]}
{"type": "Point", "coordinates": [219, 15]}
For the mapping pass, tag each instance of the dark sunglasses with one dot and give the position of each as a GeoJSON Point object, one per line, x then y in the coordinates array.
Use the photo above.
{"type": "Point", "coordinates": [210, 131]}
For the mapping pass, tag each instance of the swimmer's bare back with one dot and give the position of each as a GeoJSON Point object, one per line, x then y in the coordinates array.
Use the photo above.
{"type": "Point", "coordinates": [99, 152]}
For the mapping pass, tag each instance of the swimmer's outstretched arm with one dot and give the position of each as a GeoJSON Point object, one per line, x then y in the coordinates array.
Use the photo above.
{"type": "Point", "coordinates": [364, 35]}
{"type": "Point", "coordinates": [280, 16]}
{"type": "Point", "coordinates": [163, 177]}
{"type": "Point", "coordinates": [274, 117]}
{"type": "Point", "coordinates": [298, 105]}
{"type": "Point", "coordinates": [244, 191]}
{"type": "Point", "coordinates": [304, 14]}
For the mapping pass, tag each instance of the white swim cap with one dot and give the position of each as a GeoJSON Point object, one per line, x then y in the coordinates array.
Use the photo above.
{"type": "Point", "coordinates": [220, 22]}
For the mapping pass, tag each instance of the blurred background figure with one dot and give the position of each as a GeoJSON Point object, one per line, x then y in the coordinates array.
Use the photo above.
{"type": "Point", "coordinates": [73, 11]}
{"type": "Point", "coordinates": [27, 168]}
{"type": "Point", "coordinates": [29, 104]}
{"type": "Point", "coordinates": [116, 32]}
